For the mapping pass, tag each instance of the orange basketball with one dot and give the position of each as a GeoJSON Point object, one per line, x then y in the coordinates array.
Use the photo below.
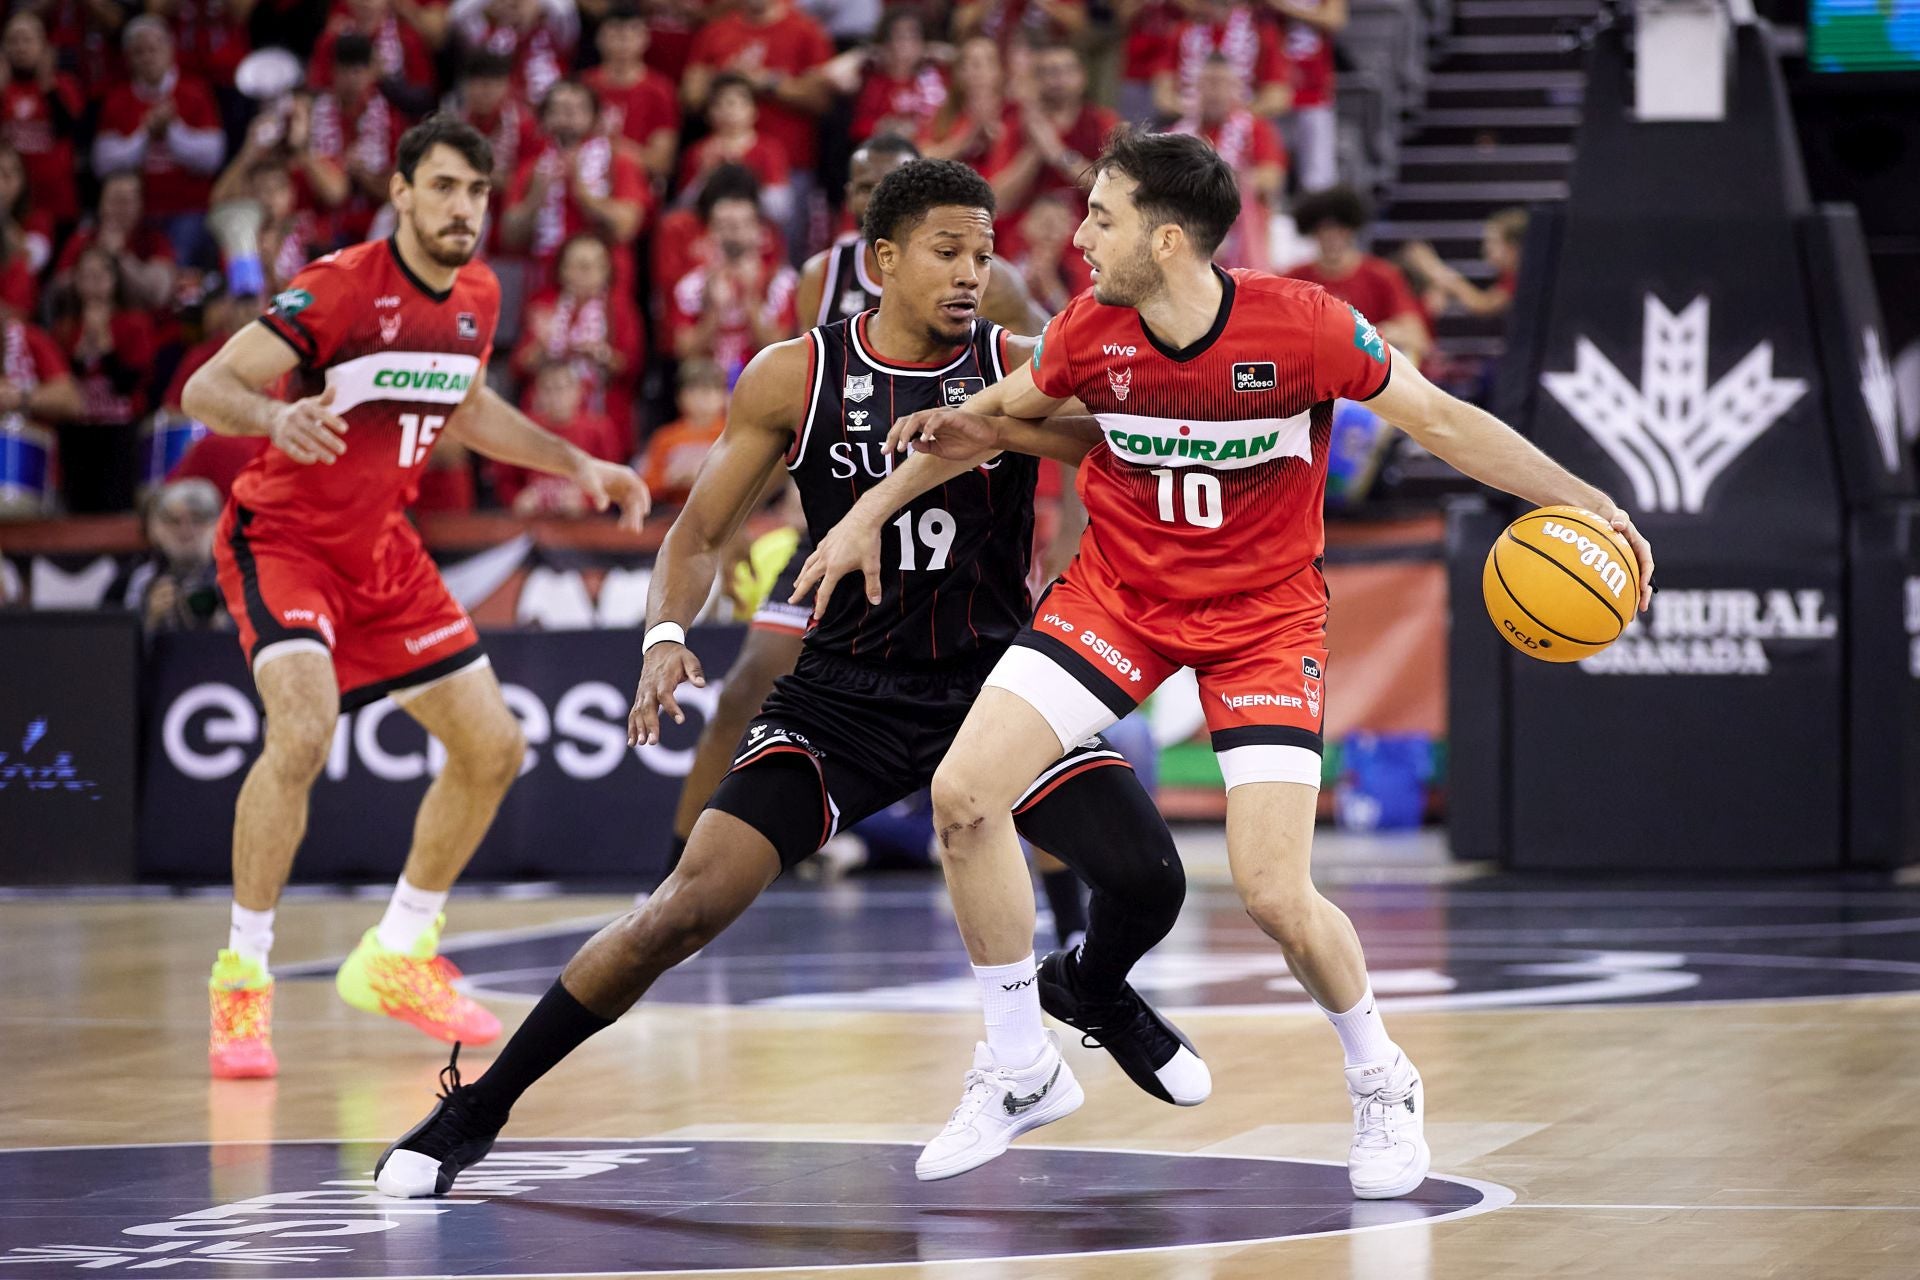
{"type": "Point", "coordinates": [1560, 584]}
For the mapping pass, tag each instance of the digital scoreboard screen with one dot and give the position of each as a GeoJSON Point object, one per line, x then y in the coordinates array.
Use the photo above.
{"type": "Point", "coordinates": [1863, 35]}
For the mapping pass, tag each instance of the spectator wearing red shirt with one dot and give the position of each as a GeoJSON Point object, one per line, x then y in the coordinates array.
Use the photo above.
{"type": "Point", "coordinates": [87, 34]}
{"type": "Point", "coordinates": [1149, 25]}
{"type": "Point", "coordinates": [109, 343]}
{"type": "Point", "coordinates": [682, 243]}
{"type": "Point", "coordinates": [211, 35]}
{"type": "Point", "coordinates": [25, 238]}
{"type": "Point", "coordinates": [735, 138]}
{"type": "Point", "coordinates": [728, 308]}
{"type": "Point", "coordinates": [402, 62]}
{"type": "Point", "coordinates": [119, 226]}
{"type": "Point", "coordinates": [903, 87]}
{"type": "Point", "coordinates": [671, 27]}
{"type": "Point", "coordinates": [675, 451]}
{"type": "Point", "coordinates": [1252, 148]}
{"type": "Point", "coordinates": [1035, 21]}
{"type": "Point", "coordinates": [976, 114]}
{"type": "Point", "coordinates": [1334, 218]}
{"type": "Point", "coordinates": [578, 181]}
{"type": "Point", "coordinates": [37, 394]}
{"type": "Point", "coordinates": [1249, 41]}
{"type": "Point", "coordinates": [636, 102]}
{"type": "Point", "coordinates": [586, 324]}
{"type": "Point", "coordinates": [556, 402]}
{"type": "Point", "coordinates": [1309, 28]}
{"type": "Point", "coordinates": [783, 54]}
{"type": "Point", "coordinates": [1059, 135]}
{"type": "Point", "coordinates": [1055, 271]}
{"type": "Point", "coordinates": [539, 35]}
{"type": "Point", "coordinates": [355, 130]}
{"type": "Point", "coordinates": [164, 125]}
{"type": "Point", "coordinates": [41, 115]}
{"type": "Point", "coordinates": [486, 101]}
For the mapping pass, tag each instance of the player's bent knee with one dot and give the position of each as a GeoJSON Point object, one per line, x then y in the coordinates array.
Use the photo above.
{"type": "Point", "coordinates": [297, 746]}
{"type": "Point", "coordinates": [1285, 915]}
{"type": "Point", "coordinates": [961, 806]}
{"type": "Point", "coordinates": [673, 925]}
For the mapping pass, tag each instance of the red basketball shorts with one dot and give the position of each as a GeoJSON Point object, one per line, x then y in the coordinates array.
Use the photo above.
{"type": "Point", "coordinates": [392, 630]}
{"type": "Point", "coordinates": [1097, 648]}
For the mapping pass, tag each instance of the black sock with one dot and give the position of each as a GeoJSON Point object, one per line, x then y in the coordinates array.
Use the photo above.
{"type": "Point", "coordinates": [558, 1025]}
{"type": "Point", "coordinates": [1066, 899]}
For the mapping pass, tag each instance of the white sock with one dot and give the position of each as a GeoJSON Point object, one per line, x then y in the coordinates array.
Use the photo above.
{"type": "Point", "coordinates": [410, 913]}
{"type": "Point", "coordinates": [1363, 1035]}
{"type": "Point", "coordinates": [1011, 994]}
{"type": "Point", "coordinates": [250, 935]}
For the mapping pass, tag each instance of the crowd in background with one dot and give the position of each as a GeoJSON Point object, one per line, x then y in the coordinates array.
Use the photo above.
{"type": "Point", "coordinates": [661, 172]}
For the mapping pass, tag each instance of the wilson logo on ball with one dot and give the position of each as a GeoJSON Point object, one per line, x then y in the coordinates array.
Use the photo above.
{"type": "Point", "coordinates": [1592, 555]}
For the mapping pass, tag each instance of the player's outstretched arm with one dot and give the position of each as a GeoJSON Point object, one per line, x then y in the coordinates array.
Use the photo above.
{"type": "Point", "coordinates": [761, 419]}
{"type": "Point", "coordinates": [1477, 444]}
{"type": "Point", "coordinates": [492, 427]}
{"type": "Point", "coordinates": [227, 394]}
{"type": "Point", "coordinates": [853, 545]}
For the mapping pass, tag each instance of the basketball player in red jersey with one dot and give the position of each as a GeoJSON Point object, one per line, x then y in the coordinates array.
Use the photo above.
{"type": "Point", "coordinates": [337, 602]}
{"type": "Point", "coordinates": [1214, 393]}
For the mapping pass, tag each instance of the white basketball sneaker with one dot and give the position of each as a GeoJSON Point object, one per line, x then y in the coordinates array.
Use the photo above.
{"type": "Point", "coordinates": [1000, 1103]}
{"type": "Point", "coordinates": [1389, 1156]}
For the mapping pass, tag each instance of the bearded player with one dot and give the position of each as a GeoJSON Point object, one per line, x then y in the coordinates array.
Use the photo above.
{"type": "Point", "coordinates": [386, 344]}
{"type": "Point", "coordinates": [1214, 392]}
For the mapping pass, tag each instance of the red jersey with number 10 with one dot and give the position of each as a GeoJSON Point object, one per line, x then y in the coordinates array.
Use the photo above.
{"type": "Point", "coordinates": [400, 357]}
{"type": "Point", "coordinates": [1211, 474]}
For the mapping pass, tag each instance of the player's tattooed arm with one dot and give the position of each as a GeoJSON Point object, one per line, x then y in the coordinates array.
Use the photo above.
{"type": "Point", "coordinates": [761, 418]}
{"type": "Point", "coordinates": [227, 394]}
{"type": "Point", "coordinates": [1477, 444]}
{"type": "Point", "coordinates": [492, 427]}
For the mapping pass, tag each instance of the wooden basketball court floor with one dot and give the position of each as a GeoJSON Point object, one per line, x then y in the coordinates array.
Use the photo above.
{"type": "Point", "coordinates": [1623, 1081]}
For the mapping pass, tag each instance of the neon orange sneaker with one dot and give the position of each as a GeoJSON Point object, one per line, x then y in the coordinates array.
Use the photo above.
{"type": "Point", "coordinates": [241, 1047]}
{"type": "Point", "coordinates": [415, 987]}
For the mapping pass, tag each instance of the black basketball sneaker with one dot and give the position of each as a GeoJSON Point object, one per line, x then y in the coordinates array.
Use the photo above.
{"type": "Point", "coordinates": [1152, 1051]}
{"type": "Point", "coordinates": [453, 1137]}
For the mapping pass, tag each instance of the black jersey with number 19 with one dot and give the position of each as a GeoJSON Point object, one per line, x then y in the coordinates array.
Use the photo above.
{"type": "Point", "coordinates": [953, 564]}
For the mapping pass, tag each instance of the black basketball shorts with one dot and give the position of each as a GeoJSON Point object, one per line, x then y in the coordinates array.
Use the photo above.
{"type": "Point", "coordinates": [841, 739]}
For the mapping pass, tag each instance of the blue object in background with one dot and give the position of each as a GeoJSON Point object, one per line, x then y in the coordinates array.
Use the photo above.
{"type": "Point", "coordinates": [1383, 781]}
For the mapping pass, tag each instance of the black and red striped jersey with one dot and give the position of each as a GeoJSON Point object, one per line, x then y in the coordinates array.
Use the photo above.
{"type": "Point", "coordinates": [954, 563]}
{"type": "Point", "coordinates": [1211, 475]}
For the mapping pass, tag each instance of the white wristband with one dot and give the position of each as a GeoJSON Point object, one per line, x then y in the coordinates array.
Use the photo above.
{"type": "Point", "coordinates": [663, 631]}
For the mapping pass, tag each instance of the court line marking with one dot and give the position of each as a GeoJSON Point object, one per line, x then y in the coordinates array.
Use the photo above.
{"type": "Point", "coordinates": [1493, 1195]}
{"type": "Point", "coordinates": [1740, 1208]}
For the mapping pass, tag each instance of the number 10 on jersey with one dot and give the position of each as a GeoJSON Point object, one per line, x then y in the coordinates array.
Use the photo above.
{"type": "Point", "coordinates": [1200, 495]}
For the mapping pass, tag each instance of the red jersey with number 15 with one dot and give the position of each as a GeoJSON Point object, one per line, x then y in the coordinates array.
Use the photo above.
{"type": "Point", "coordinates": [1211, 474]}
{"type": "Point", "coordinates": [400, 357]}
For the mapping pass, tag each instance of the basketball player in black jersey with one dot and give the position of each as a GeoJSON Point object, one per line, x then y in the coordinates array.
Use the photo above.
{"type": "Point", "coordinates": [883, 683]}
{"type": "Point", "coordinates": [839, 283]}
